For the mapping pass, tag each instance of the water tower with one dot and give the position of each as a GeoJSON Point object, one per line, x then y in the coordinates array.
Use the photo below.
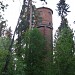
{"type": "Point", "coordinates": [46, 26]}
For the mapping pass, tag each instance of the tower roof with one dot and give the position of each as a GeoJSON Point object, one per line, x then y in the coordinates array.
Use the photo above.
{"type": "Point", "coordinates": [46, 8]}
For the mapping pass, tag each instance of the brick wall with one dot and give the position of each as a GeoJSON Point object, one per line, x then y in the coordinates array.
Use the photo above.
{"type": "Point", "coordinates": [46, 27]}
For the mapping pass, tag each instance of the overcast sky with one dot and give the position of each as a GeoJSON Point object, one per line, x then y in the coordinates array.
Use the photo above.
{"type": "Point", "coordinates": [14, 8]}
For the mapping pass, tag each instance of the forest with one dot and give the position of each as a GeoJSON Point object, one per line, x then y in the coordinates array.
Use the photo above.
{"type": "Point", "coordinates": [27, 53]}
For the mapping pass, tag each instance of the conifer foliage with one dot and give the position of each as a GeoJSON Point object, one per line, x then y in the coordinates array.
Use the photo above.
{"type": "Point", "coordinates": [2, 21]}
{"type": "Point", "coordinates": [64, 50]}
{"type": "Point", "coordinates": [34, 53]}
{"type": "Point", "coordinates": [64, 44]}
{"type": "Point", "coordinates": [62, 8]}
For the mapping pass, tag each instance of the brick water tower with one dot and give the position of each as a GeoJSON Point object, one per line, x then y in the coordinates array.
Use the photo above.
{"type": "Point", "coordinates": [46, 26]}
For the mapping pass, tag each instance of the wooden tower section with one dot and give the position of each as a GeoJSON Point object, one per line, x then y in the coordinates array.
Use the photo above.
{"type": "Point", "coordinates": [46, 26]}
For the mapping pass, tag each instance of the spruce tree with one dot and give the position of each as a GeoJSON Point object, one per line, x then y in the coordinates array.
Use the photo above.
{"type": "Point", "coordinates": [62, 8]}
{"type": "Point", "coordinates": [63, 43]}
{"type": "Point", "coordinates": [63, 50]}
{"type": "Point", "coordinates": [34, 53]}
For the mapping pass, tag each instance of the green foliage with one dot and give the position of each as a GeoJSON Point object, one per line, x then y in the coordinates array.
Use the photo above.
{"type": "Point", "coordinates": [2, 21]}
{"type": "Point", "coordinates": [3, 54]}
{"type": "Point", "coordinates": [4, 45]}
{"type": "Point", "coordinates": [64, 51]}
{"type": "Point", "coordinates": [34, 53]}
{"type": "Point", "coordinates": [31, 55]}
{"type": "Point", "coordinates": [63, 24]}
{"type": "Point", "coordinates": [62, 8]}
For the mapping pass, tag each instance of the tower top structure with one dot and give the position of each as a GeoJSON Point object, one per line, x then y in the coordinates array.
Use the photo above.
{"type": "Point", "coordinates": [45, 8]}
{"type": "Point", "coordinates": [46, 17]}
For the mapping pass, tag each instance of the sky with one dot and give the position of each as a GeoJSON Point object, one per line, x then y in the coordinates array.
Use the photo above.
{"type": "Point", "coordinates": [13, 11]}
